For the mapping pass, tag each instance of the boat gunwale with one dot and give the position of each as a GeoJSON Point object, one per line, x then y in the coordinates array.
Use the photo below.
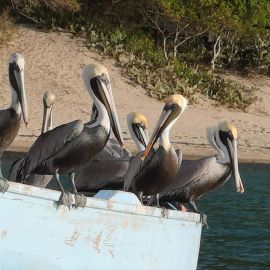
{"type": "Point", "coordinates": [98, 203]}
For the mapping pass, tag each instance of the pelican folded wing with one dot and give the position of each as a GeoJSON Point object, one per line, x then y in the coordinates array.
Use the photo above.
{"type": "Point", "coordinates": [54, 140]}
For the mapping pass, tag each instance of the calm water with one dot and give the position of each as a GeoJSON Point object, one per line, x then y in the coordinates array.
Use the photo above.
{"type": "Point", "coordinates": [239, 224]}
{"type": "Point", "coordinates": [239, 233]}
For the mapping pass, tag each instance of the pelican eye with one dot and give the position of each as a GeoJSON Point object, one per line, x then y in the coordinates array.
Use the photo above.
{"type": "Point", "coordinates": [223, 135]}
{"type": "Point", "coordinates": [169, 106]}
{"type": "Point", "coordinates": [230, 135]}
{"type": "Point", "coordinates": [104, 78]}
{"type": "Point", "coordinates": [15, 66]}
{"type": "Point", "coordinates": [142, 125]}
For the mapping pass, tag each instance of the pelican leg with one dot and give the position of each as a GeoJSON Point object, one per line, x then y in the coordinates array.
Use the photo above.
{"type": "Point", "coordinates": [3, 182]}
{"type": "Point", "coordinates": [141, 197]}
{"type": "Point", "coordinates": [65, 198]}
{"type": "Point", "coordinates": [3, 185]}
{"type": "Point", "coordinates": [158, 205]}
{"type": "Point", "coordinates": [152, 199]}
{"type": "Point", "coordinates": [164, 210]}
{"type": "Point", "coordinates": [80, 199]}
{"type": "Point", "coordinates": [1, 175]}
{"type": "Point", "coordinates": [203, 216]}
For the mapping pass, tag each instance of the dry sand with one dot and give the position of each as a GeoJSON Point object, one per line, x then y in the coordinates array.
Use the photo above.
{"type": "Point", "coordinates": [54, 62]}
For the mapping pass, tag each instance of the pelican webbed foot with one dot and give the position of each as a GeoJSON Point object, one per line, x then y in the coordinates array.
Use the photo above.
{"type": "Point", "coordinates": [66, 199]}
{"type": "Point", "coordinates": [3, 184]}
{"type": "Point", "coordinates": [203, 216]}
{"type": "Point", "coordinates": [80, 199]}
{"type": "Point", "coordinates": [204, 220]}
{"type": "Point", "coordinates": [164, 212]}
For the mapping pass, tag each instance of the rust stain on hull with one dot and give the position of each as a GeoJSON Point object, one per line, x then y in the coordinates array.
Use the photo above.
{"type": "Point", "coordinates": [96, 242]}
{"type": "Point", "coordinates": [74, 237]}
{"type": "Point", "coordinates": [3, 234]}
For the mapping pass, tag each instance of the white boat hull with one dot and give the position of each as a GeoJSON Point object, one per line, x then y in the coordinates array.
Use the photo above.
{"type": "Point", "coordinates": [35, 233]}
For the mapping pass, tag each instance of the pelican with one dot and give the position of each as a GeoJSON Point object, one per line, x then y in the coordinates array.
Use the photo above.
{"type": "Point", "coordinates": [10, 118]}
{"type": "Point", "coordinates": [197, 177]}
{"type": "Point", "coordinates": [68, 147]}
{"type": "Point", "coordinates": [111, 164]}
{"type": "Point", "coordinates": [36, 179]}
{"type": "Point", "coordinates": [151, 171]}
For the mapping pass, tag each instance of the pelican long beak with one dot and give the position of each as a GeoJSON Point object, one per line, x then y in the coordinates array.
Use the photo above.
{"type": "Point", "coordinates": [144, 136]}
{"type": "Point", "coordinates": [108, 102]}
{"type": "Point", "coordinates": [141, 134]}
{"type": "Point", "coordinates": [163, 122]}
{"type": "Point", "coordinates": [18, 86]}
{"type": "Point", "coordinates": [234, 159]}
{"type": "Point", "coordinates": [47, 118]}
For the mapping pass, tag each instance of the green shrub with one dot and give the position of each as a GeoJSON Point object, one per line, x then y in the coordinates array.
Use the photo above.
{"type": "Point", "coordinates": [146, 65]}
{"type": "Point", "coordinates": [137, 48]}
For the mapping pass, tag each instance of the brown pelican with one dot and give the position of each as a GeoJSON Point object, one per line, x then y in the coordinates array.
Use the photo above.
{"type": "Point", "coordinates": [111, 164]}
{"type": "Point", "coordinates": [66, 148]}
{"type": "Point", "coordinates": [36, 179]}
{"type": "Point", "coordinates": [10, 118]}
{"type": "Point", "coordinates": [137, 126]}
{"type": "Point", "coordinates": [151, 171]}
{"type": "Point", "coordinates": [197, 177]}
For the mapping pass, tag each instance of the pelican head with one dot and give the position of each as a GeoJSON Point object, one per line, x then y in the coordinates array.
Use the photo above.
{"type": "Point", "coordinates": [137, 125]}
{"type": "Point", "coordinates": [225, 140]}
{"type": "Point", "coordinates": [16, 80]}
{"type": "Point", "coordinates": [48, 101]}
{"type": "Point", "coordinates": [174, 106]}
{"type": "Point", "coordinates": [96, 80]}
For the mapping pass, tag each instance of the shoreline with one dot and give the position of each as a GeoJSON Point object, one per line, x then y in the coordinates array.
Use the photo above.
{"type": "Point", "coordinates": [190, 152]}
{"type": "Point", "coordinates": [54, 62]}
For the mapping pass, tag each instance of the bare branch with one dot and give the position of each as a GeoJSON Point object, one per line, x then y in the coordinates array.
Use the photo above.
{"type": "Point", "coordinates": [15, 6]}
{"type": "Point", "coordinates": [178, 43]}
{"type": "Point", "coordinates": [216, 52]}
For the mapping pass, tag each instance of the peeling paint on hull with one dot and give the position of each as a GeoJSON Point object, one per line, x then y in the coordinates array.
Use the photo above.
{"type": "Point", "coordinates": [35, 233]}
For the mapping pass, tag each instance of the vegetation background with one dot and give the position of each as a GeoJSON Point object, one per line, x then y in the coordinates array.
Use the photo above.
{"type": "Point", "coordinates": [167, 46]}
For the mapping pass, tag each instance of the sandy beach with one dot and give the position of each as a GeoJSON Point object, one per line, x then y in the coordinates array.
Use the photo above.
{"type": "Point", "coordinates": [54, 62]}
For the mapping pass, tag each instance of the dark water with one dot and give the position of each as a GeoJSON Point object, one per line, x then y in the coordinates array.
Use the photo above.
{"type": "Point", "coordinates": [239, 233]}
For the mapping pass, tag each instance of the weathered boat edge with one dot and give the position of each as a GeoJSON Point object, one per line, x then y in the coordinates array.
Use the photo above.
{"type": "Point", "coordinates": [113, 231]}
{"type": "Point", "coordinates": [93, 202]}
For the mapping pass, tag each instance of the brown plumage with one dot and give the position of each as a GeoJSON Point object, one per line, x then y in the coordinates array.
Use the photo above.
{"type": "Point", "coordinates": [37, 179]}
{"type": "Point", "coordinates": [10, 118]}
{"type": "Point", "coordinates": [9, 127]}
{"type": "Point", "coordinates": [197, 177]}
{"type": "Point", "coordinates": [151, 171]}
{"type": "Point", "coordinates": [110, 165]}
{"type": "Point", "coordinates": [66, 148]}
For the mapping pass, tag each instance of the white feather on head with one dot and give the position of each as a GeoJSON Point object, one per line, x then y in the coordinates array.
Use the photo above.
{"type": "Point", "coordinates": [227, 126]}
{"type": "Point", "coordinates": [136, 118]}
{"type": "Point", "coordinates": [178, 99]}
{"type": "Point", "coordinates": [48, 98]}
{"type": "Point", "coordinates": [93, 70]}
{"type": "Point", "coordinates": [18, 59]}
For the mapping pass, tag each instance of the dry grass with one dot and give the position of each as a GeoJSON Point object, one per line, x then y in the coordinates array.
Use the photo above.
{"type": "Point", "coordinates": [7, 28]}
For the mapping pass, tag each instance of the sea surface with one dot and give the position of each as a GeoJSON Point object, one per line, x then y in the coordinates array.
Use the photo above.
{"type": "Point", "coordinates": [238, 237]}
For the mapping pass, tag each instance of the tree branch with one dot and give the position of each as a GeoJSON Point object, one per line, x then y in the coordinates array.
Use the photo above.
{"type": "Point", "coordinates": [216, 52]}
{"type": "Point", "coordinates": [15, 6]}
